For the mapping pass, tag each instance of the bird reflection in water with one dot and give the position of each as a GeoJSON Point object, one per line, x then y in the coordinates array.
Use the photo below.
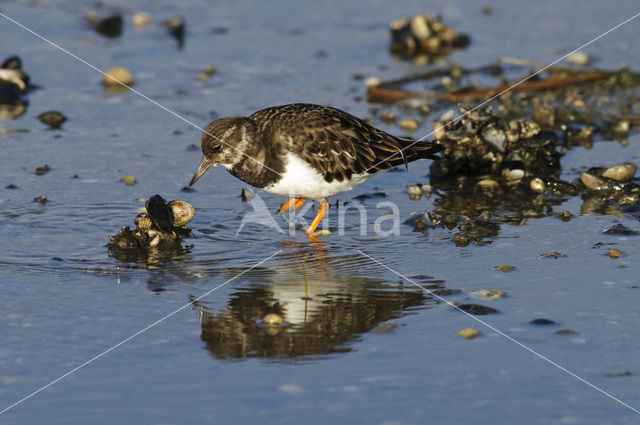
{"type": "Point", "coordinates": [339, 308]}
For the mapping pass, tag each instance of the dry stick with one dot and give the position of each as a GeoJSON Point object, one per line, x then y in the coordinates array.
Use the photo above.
{"type": "Point", "coordinates": [384, 95]}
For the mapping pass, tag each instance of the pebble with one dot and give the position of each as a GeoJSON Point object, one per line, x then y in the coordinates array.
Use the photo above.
{"type": "Point", "coordinates": [554, 254]}
{"type": "Point", "coordinates": [565, 332]}
{"type": "Point", "coordinates": [620, 229]}
{"type": "Point", "coordinates": [488, 183]}
{"type": "Point", "coordinates": [414, 189]}
{"type": "Point", "coordinates": [504, 268]}
{"type": "Point", "coordinates": [388, 117]}
{"type": "Point", "coordinates": [54, 119]}
{"type": "Point", "coordinates": [207, 73]}
{"type": "Point", "coordinates": [372, 82]}
{"type": "Point", "coordinates": [41, 199]}
{"type": "Point", "coordinates": [579, 58]}
{"type": "Point", "coordinates": [141, 19]}
{"type": "Point", "coordinates": [476, 309]}
{"type": "Point", "coordinates": [118, 76]}
{"type": "Point", "coordinates": [128, 179]}
{"type": "Point", "coordinates": [41, 171]}
{"type": "Point", "coordinates": [614, 253]}
{"type": "Point", "coordinates": [488, 294]}
{"type": "Point", "coordinates": [175, 26]}
{"type": "Point", "coordinates": [620, 172]}
{"type": "Point", "coordinates": [542, 322]}
{"type": "Point", "coordinates": [182, 212]}
{"type": "Point", "coordinates": [564, 216]}
{"type": "Point", "coordinates": [537, 185]}
{"type": "Point", "coordinates": [468, 333]}
{"type": "Point", "coordinates": [273, 319]}
{"type": "Point", "coordinates": [623, 372]}
{"type": "Point", "coordinates": [111, 26]}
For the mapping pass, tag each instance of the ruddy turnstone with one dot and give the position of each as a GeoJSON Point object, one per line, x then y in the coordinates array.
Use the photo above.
{"type": "Point", "coordinates": [304, 151]}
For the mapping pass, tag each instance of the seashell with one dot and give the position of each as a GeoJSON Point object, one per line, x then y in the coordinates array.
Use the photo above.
{"type": "Point", "coordinates": [537, 185]}
{"type": "Point", "coordinates": [598, 183]}
{"type": "Point", "coordinates": [420, 27]}
{"type": "Point", "coordinates": [620, 172]}
{"type": "Point", "coordinates": [159, 213]}
{"type": "Point", "coordinates": [53, 119]}
{"type": "Point", "coordinates": [117, 76]}
{"type": "Point", "coordinates": [408, 124]}
{"type": "Point", "coordinates": [495, 136]}
{"type": "Point", "coordinates": [143, 222]}
{"type": "Point", "coordinates": [181, 211]}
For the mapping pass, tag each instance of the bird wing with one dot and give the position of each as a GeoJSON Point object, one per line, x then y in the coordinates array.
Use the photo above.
{"type": "Point", "coordinates": [337, 144]}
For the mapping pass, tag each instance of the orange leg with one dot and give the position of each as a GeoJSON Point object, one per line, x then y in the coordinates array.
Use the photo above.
{"type": "Point", "coordinates": [299, 203]}
{"type": "Point", "coordinates": [295, 202]}
{"type": "Point", "coordinates": [322, 209]}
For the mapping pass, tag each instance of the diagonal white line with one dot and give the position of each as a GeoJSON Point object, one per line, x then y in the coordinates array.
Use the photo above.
{"type": "Point", "coordinates": [132, 89]}
{"type": "Point", "coordinates": [544, 68]}
{"type": "Point", "coordinates": [546, 359]}
{"type": "Point", "coordinates": [124, 341]}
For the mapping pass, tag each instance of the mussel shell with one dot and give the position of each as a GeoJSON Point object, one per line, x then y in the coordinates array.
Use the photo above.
{"type": "Point", "coordinates": [159, 213]}
{"type": "Point", "coordinates": [182, 212]}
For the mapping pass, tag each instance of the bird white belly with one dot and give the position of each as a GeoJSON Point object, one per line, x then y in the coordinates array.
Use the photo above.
{"type": "Point", "coordinates": [301, 179]}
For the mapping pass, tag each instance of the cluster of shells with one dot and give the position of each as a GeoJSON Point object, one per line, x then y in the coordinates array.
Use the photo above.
{"type": "Point", "coordinates": [161, 226]}
{"type": "Point", "coordinates": [484, 147]}
{"type": "Point", "coordinates": [607, 186]}
{"type": "Point", "coordinates": [424, 35]}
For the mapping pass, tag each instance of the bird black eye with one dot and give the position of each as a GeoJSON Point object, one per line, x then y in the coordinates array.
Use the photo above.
{"type": "Point", "coordinates": [214, 149]}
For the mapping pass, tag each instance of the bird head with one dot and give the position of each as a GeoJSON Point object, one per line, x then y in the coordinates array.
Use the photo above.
{"type": "Point", "coordinates": [224, 142]}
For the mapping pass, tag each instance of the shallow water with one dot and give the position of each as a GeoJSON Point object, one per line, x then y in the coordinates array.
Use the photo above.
{"type": "Point", "coordinates": [367, 345]}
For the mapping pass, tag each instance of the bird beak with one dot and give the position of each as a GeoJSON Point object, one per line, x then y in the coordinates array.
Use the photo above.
{"type": "Point", "coordinates": [204, 165]}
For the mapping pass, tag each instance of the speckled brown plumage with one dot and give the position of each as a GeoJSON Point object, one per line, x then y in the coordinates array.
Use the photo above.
{"type": "Point", "coordinates": [336, 144]}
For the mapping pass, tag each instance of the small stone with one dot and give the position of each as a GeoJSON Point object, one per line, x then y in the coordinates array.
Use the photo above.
{"type": "Point", "coordinates": [193, 148]}
{"type": "Point", "coordinates": [565, 332]}
{"type": "Point", "coordinates": [488, 294]}
{"type": "Point", "coordinates": [41, 171]}
{"type": "Point", "coordinates": [555, 255]}
{"type": "Point", "coordinates": [141, 19]}
{"type": "Point", "coordinates": [476, 309]}
{"type": "Point", "coordinates": [620, 172]}
{"type": "Point", "coordinates": [488, 183]}
{"type": "Point", "coordinates": [564, 216]}
{"type": "Point", "coordinates": [117, 77]}
{"type": "Point", "coordinates": [388, 117]}
{"type": "Point", "coordinates": [372, 82]}
{"type": "Point", "coordinates": [323, 232]}
{"type": "Point", "coordinates": [273, 319]}
{"type": "Point", "coordinates": [542, 322]}
{"type": "Point", "coordinates": [53, 119]}
{"type": "Point", "coordinates": [614, 253]}
{"type": "Point", "coordinates": [504, 268]}
{"type": "Point", "coordinates": [182, 212]}
{"type": "Point", "coordinates": [420, 27]}
{"type": "Point", "coordinates": [41, 199]}
{"type": "Point", "coordinates": [187, 189]}
{"type": "Point", "coordinates": [176, 26]}
{"type": "Point", "coordinates": [537, 185]}
{"type": "Point", "coordinates": [579, 58]}
{"type": "Point", "coordinates": [623, 372]}
{"type": "Point", "coordinates": [408, 124]}
{"type": "Point", "coordinates": [516, 174]}
{"type": "Point", "coordinates": [414, 189]}
{"type": "Point", "coordinates": [128, 179]}
{"type": "Point", "coordinates": [468, 333]}
{"type": "Point", "coordinates": [620, 229]}
{"type": "Point", "coordinates": [11, 186]}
